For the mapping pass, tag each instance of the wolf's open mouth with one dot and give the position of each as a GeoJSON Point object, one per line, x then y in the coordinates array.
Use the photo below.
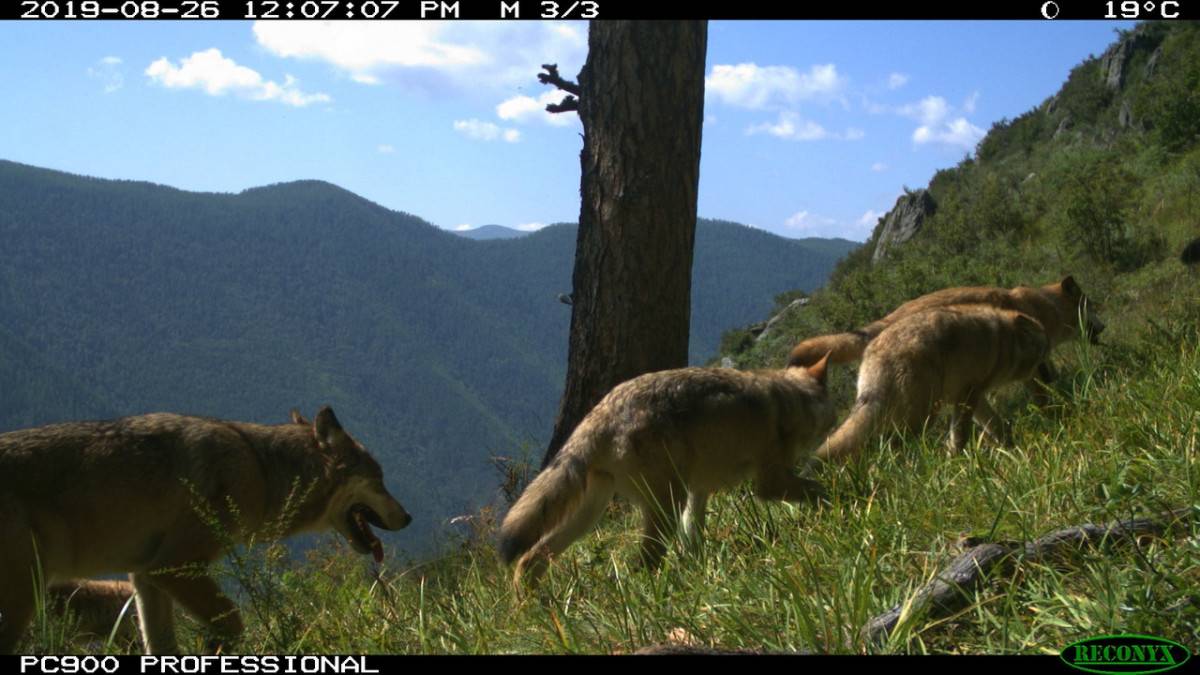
{"type": "Point", "coordinates": [360, 520]}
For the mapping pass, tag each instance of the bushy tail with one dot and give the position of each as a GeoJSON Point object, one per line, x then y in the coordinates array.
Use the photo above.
{"type": "Point", "coordinates": [556, 492]}
{"type": "Point", "coordinates": [865, 419]}
{"type": "Point", "coordinates": [841, 347]}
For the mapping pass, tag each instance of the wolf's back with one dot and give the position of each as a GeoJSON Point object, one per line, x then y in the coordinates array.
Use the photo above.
{"type": "Point", "coordinates": [552, 495]}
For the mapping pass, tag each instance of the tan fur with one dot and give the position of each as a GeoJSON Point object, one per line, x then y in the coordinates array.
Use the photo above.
{"type": "Point", "coordinates": [941, 357]}
{"type": "Point", "coordinates": [98, 608]}
{"type": "Point", "coordinates": [1057, 306]}
{"type": "Point", "coordinates": [85, 499]}
{"type": "Point", "coordinates": [666, 437]}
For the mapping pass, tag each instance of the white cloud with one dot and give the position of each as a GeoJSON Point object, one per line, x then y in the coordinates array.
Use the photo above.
{"type": "Point", "coordinates": [530, 227]}
{"type": "Point", "coordinates": [930, 110]}
{"type": "Point", "coordinates": [878, 167]}
{"type": "Point", "coordinates": [463, 228]}
{"type": "Point", "coordinates": [431, 54]}
{"type": "Point", "coordinates": [107, 72]}
{"type": "Point", "coordinates": [524, 109]}
{"type": "Point", "coordinates": [958, 132]}
{"type": "Point", "coordinates": [938, 122]}
{"type": "Point", "coordinates": [869, 219]}
{"type": "Point", "coordinates": [217, 75]}
{"type": "Point", "coordinates": [385, 149]}
{"type": "Point", "coordinates": [969, 104]}
{"type": "Point", "coordinates": [792, 127]}
{"type": "Point", "coordinates": [479, 130]}
{"type": "Point", "coordinates": [897, 80]}
{"type": "Point", "coordinates": [808, 222]}
{"type": "Point", "coordinates": [748, 85]}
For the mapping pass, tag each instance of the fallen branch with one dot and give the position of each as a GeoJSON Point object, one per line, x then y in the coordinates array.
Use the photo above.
{"type": "Point", "coordinates": [951, 590]}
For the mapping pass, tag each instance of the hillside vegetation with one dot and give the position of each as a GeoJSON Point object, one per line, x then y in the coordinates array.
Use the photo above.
{"type": "Point", "coordinates": [1102, 182]}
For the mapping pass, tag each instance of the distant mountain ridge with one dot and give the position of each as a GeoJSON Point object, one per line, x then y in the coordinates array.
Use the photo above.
{"type": "Point", "coordinates": [486, 232]}
{"type": "Point", "coordinates": [124, 297]}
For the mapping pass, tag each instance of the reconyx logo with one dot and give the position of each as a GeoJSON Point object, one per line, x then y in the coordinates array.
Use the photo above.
{"type": "Point", "coordinates": [1122, 654]}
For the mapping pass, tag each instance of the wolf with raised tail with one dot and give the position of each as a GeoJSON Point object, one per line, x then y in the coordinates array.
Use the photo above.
{"type": "Point", "coordinates": [1062, 309]}
{"type": "Point", "coordinates": [159, 496]}
{"type": "Point", "coordinates": [945, 357]}
{"type": "Point", "coordinates": [667, 440]}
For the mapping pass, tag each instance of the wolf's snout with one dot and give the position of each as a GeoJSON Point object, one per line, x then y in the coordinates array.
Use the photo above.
{"type": "Point", "coordinates": [395, 517]}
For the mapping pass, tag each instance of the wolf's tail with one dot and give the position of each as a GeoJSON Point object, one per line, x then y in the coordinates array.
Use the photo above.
{"type": "Point", "coordinates": [558, 491]}
{"type": "Point", "coordinates": [865, 419]}
{"type": "Point", "coordinates": [841, 347]}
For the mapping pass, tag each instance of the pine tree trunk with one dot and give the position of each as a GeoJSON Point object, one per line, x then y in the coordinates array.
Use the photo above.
{"type": "Point", "coordinates": [642, 106]}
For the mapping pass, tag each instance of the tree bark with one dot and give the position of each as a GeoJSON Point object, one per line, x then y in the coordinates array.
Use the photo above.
{"type": "Point", "coordinates": [641, 102]}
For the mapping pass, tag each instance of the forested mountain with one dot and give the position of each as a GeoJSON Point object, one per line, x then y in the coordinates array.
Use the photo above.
{"type": "Point", "coordinates": [121, 297]}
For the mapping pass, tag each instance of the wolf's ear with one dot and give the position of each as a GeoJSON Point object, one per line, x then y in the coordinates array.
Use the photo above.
{"type": "Point", "coordinates": [326, 424]}
{"type": "Point", "coordinates": [818, 369]}
{"type": "Point", "coordinates": [297, 418]}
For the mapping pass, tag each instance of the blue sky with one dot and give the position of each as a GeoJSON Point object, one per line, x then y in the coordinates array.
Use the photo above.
{"type": "Point", "coordinates": [811, 128]}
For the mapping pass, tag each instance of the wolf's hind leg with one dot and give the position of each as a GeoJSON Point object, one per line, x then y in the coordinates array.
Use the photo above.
{"type": "Point", "coordinates": [599, 493]}
{"type": "Point", "coordinates": [156, 615]}
{"type": "Point", "coordinates": [995, 426]}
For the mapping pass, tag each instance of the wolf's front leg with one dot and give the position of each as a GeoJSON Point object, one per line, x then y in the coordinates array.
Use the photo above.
{"type": "Point", "coordinates": [203, 599]}
{"type": "Point", "coordinates": [693, 521]}
{"type": "Point", "coordinates": [156, 615]}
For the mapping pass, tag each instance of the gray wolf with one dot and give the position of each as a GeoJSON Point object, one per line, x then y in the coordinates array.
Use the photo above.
{"type": "Point", "coordinates": [1058, 307]}
{"type": "Point", "coordinates": [138, 495]}
{"type": "Point", "coordinates": [941, 357]}
{"type": "Point", "coordinates": [666, 437]}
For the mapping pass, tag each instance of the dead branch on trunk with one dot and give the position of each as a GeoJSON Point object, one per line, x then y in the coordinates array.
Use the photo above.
{"type": "Point", "coordinates": [552, 77]}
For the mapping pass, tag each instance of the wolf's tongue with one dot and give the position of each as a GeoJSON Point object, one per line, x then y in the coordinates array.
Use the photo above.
{"type": "Point", "coordinates": [377, 550]}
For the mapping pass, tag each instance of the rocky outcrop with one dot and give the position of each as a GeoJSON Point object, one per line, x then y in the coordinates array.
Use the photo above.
{"type": "Point", "coordinates": [1064, 125]}
{"type": "Point", "coordinates": [903, 221]}
{"type": "Point", "coordinates": [1125, 114]}
{"type": "Point", "coordinates": [1152, 63]}
{"type": "Point", "coordinates": [1116, 58]}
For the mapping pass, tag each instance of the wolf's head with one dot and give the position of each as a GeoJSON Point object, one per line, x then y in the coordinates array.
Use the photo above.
{"type": "Point", "coordinates": [359, 499]}
{"type": "Point", "coordinates": [1076, 314]}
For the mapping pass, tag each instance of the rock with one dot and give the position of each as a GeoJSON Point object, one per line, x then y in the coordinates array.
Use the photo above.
{"type": "Point", "coordinates": [1052, 104]}
{"type": "Point", "coordinates": [1112, 64]}
{"type": "Point", "coordinates": [903, 221]}
{"type": "Point", "coordinates": [1152, 63]}
{"type": "Point", "coordinates": [1064, 126]}
{"type": "Point", "coordinates": [1125, 115]}
{"type": "Point", "coordinates": [727, 362]}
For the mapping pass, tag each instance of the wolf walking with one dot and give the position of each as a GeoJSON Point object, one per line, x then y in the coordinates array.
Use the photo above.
{"type": "Point", "coordinates": [941, 357]}
{"type": "Point", "coordinates": [666, 437]}
{"type": "Point", "coordinates": [1058, 307]}
{"type": "Point", "coordinates": [130, 495]}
